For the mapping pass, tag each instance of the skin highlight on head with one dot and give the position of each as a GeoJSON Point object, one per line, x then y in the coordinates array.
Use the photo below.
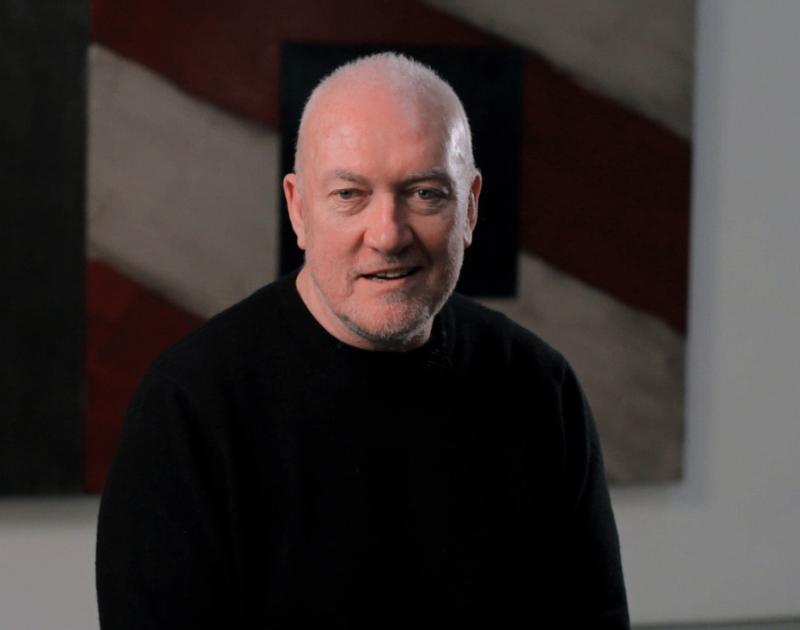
{"type": "Point", "coordinates": [383, 201]}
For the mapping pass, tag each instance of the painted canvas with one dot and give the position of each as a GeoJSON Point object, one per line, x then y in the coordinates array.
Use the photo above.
{"type": "Point", "coordinates": [184, 158]}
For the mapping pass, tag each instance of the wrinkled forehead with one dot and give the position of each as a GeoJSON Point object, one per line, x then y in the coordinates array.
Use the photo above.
{"type": "Point", "coordinates": [371, 108]}
{"type": "Point", "coordinates": [363, 117]}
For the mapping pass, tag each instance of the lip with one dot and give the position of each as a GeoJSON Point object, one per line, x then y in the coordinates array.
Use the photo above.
{"type": "Point", "coordinates": [407, 272]}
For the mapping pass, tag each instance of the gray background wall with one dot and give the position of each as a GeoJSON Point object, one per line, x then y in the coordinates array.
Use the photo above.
{"type": "Point", "coordinates": [723, 543]}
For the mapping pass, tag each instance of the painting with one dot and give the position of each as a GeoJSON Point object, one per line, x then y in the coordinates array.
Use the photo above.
{"type": "Point", "coordinates": [586, 205]}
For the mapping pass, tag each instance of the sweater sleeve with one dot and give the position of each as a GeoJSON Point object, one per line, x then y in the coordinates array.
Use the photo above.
{"type": "Point", "coordinates": [161, 561]}
{"type": "Point", "coordinates": [593, 569]}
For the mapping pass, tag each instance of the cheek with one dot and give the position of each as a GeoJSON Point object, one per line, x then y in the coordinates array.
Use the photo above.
{"type": "Point", "coordinates": [331, 261]}
{"type": "Point", "coordinates": [322, 244]}
{"type": "Point", "coordinates": [450, 240]}
{"type": "Point", "coordinates": [333, 238]}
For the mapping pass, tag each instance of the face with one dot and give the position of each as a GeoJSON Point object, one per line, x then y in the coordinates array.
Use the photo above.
{"type": "Point", "coordinates": [384, 211]}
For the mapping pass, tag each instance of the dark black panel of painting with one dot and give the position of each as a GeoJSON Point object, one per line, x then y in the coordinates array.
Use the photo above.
{"type": "Point", "coordinates": [42, 73]}
{"type": "Point", "coordinates": [489, 82]}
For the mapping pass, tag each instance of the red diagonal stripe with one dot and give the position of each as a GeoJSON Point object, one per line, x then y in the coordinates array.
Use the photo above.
{"type": "Point", "coordinates": [605, 191]}
{"type": "Point", "coordinates": [127, 326]}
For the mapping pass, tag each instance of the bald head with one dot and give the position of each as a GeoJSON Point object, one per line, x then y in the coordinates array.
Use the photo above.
{"type": "Point", "coordinates": [383, 201]}
{"type": "Point", "coordinates": [385, 80]}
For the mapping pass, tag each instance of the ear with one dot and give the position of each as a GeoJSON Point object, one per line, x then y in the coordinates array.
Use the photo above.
{"type": "Point", "coordinates": [294, 202]}
{"type": "Point", "coordinates": [472, 207]}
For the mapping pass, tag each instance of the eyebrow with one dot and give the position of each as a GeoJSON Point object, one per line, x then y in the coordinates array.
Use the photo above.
{"type": "Point", "coordinates": [348, 176]}
{"type": "Point", "coordinates": [437, 174]}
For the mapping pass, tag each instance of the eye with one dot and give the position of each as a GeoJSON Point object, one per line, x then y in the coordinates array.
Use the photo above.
{"type": "Point", "coordinates": [346, 194]}
{"type": "Point", "coordinates": [428, 198]}
{"type": "Point", "coordinates": [348, 200]}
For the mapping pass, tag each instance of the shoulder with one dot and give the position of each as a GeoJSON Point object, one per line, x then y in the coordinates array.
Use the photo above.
{"type": "Point", "coordinates": [484, 333]}
{"type": "Point", "coordinates": [229, 343]}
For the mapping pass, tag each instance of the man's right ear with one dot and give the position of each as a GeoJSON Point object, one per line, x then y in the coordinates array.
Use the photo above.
{"type": "Point", "coordinates": [294, 202]}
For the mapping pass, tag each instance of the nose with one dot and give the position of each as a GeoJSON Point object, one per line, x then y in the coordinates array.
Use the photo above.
{"type": "Point", "coordinates": [387, 230]}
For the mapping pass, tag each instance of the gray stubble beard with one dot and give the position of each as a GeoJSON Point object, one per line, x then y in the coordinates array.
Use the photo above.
{"type": "Point", "coordinates": [402, 339]}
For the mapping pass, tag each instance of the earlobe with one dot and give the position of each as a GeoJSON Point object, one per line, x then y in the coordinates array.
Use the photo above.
{"type": "Point", "coordinates": [294, 203]}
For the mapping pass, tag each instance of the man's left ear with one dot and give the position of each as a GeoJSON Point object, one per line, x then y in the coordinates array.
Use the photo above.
{"type": "Point", "coordinates": [294, 203]}
{"type": "Point", "coordinates": [472, 207]}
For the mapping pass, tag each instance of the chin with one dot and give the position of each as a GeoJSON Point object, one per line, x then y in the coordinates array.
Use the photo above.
{"type": "Point", "coordinates": [394, 325]}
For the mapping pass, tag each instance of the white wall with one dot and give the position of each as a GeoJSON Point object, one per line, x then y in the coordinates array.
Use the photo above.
{"type": "Point", "coordinates": [725, 543]}
{"type": "Point", "coordinates": [47, 563]}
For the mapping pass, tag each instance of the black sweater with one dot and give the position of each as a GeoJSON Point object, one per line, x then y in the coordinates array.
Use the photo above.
{"type": "Point", "coordinates": [269, 476]}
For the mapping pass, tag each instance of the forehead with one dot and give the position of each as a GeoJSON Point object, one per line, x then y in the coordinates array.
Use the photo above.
{"type": "Point", "coordinates": [369, 130]}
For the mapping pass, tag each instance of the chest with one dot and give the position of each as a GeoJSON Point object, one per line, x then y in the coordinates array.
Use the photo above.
{"type": "Point", "coordinates": [362, 500]}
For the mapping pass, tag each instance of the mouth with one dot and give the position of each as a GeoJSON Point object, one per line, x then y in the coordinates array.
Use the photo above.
{"type": "Point", "coordinates": [386, 275]}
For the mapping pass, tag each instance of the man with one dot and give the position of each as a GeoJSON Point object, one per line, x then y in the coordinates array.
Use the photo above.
{"type": "Point", "coordinates": [352, 446]}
